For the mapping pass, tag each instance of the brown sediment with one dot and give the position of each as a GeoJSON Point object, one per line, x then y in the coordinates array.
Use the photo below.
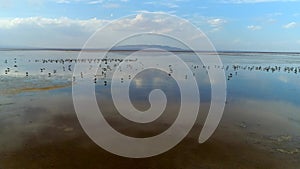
{"type": "Point", "coordinates": [63, 148]}
{"type": "Point", "coordinates": [43, 88]}
{"type": "Point", "coordinates": [80, 152]}
{"type": "Point", "coordinates": [34, 89]}
{"type": "Point", "coordinates": [62, 144]}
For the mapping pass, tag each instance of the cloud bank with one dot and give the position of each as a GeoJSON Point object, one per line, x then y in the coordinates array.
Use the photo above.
{"type": "Point", "coordinates": [47, 32]}
{"type": "Point", "coordinates": [73, 33]}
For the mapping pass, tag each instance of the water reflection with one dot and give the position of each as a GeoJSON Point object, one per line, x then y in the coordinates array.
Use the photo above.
{"type": "Point", "coordinates": [260, 127]}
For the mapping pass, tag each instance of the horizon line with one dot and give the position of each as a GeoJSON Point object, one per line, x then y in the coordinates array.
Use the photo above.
{"type": "Point", "coordinates": [145, 50]}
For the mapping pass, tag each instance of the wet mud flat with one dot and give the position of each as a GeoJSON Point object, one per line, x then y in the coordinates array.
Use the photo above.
{"type": "Point", "coordinates": [40, 130]}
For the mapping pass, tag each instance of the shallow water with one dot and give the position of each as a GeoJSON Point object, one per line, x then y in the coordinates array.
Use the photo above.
{"type": "Point", "coordinates": [39, 128]}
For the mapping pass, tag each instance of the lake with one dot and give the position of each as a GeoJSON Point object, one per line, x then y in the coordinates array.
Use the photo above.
{"type": "Point", "coordinates": [40, 129]}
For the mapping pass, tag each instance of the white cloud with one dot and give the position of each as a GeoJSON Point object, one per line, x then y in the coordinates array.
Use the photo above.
{"type": "Point", "coordinates": [274, 14]}
{"type": "Point", "coordinates": [88, 25]}
{"type": "Point", "coordinates": [66, 32]}
{"type": "Point", "coordinates": [290, 25]}
{"type": "Point", "coordinates": [236, 41]}
{"type": "Point", "coordinates": [165, 4]}
{"type": "Point", "coordinates": [62, 1]}
{"type": "Point", "coordinates": [170, 5]}
{"type": "Point", "coordinates": [158, 12]}
{"type": "Point", "coordinates": [216, 22]}
{"type": "Point", "coordinates": [5, 3]}
{"type": "Point", "coordinates": [150, 3]}
{"type": "Point", "coordinates": [96, 2]}
{"type": "Point", "coordinates": [157, 24]}
{"type": "Point", "coordinates": [283, 79]}
{"type": "Point", "coordinates": [111, 5]}
{"type": "Point", "coordinates": [47, 32]}
{"type": "Point", "coordinates": [256, 1]}
{"type": "Point", "coordinates": [207, 24]}
{"type": "Point", "coordinates": [65, 1]}
{"type": "Point", "coordinates": [271, 20]}
{"type": "Point", "coordinates": [254, 27]}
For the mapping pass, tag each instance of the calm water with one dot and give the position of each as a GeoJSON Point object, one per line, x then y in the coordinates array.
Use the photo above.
{"type": "Point", "coordinates": [39, 128]}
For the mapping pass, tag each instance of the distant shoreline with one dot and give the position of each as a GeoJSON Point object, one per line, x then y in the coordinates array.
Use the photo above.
{"type": "Point", "coordinates": [146, 50]}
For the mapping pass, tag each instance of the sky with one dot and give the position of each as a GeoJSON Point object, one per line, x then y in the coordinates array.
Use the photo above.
{"type": "Point", "coordinates": [260, 25]}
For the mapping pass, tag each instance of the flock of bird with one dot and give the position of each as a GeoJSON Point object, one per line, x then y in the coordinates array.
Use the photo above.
{"type": "Point", "coordinates": [107, 65]}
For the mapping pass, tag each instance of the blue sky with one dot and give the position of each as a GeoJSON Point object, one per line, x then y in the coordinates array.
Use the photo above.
{"type": "Point", "coordinates": [267, 25]}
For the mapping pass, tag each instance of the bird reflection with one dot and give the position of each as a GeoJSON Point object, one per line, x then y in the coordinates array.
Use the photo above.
{"type": "Point", "coordinates": [107, 66]}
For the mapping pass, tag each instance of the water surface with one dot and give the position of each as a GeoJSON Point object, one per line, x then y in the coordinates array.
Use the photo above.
{"type": "Point", "coordinates": [39, 128]}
